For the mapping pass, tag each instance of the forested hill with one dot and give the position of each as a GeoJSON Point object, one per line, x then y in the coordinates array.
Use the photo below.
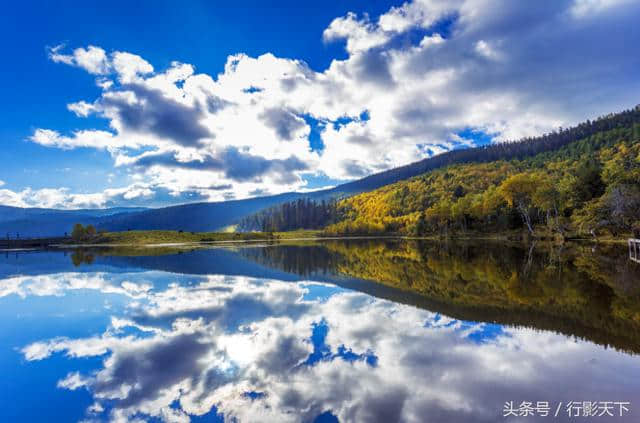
{"type": "Point", "coordinates": [586, 188]}
{"type": "Point", "coordinates": [581, 180]}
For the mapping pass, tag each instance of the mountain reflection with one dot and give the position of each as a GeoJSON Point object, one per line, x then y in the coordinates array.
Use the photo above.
{"type": "Point", "coordinates": [259, 349]}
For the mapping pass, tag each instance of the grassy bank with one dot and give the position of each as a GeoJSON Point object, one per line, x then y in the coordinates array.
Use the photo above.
{"type": "Point", "coordinates": [168, 238]}
{"type": "Point", "coordinates": [133, 238]}
{"type": "Point", "coordinates": [541, 234]}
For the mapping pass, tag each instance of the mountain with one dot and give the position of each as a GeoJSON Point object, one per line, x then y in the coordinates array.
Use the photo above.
{"type": "Point", "coordinates": [41, 222]}
{"type": "Point", "coordinates": [216, 215]}
{"type": "Point", "coordinates": [196, 217]}
{"type": "Point", "coordinates": [9, 213]}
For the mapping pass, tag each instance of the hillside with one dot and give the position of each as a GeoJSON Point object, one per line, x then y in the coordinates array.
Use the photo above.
{"type": "Point", "coordinates": [9, 213]}
{"type": "Point", "coordinates": [587, 187]}
{"type": "Point", "coordinates": [35, 222]}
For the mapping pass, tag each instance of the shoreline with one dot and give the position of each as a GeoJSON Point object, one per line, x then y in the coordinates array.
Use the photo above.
{"type": "Point", "coordinates": [254, 241]}
{"type": "Point", "coordinates": [221, 242]}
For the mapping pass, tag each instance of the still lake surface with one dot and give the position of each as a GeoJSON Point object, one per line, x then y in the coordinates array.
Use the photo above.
{"type": "Point", "coordinates": [349, 331]}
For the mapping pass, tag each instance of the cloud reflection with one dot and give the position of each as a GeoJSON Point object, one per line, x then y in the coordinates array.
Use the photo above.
{"type": "Point", "coordinates": [264, 350]}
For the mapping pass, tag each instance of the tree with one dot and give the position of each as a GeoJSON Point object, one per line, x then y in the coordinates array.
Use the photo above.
{"type": "Point", "coordinates": [421, 225]}
{"type": "Point", "coordinates": [461, 209]}
{"type": "Point", "coordinates": [78, 233]}
{"type": "Point", "coordinates": [623, 203]}
{"type": "Point", "coordinates": [591, 217]}
{"type": "Point", "coordinates": [440, 214]}
{"type": "Point", "coordinates": [587, 183]}
{"type": "Point", "coordinates": [621, 165]}
{"type": "Point", "coordinates": [459, 192]}
{"type": "Point", "coordinates": [618, 209]}
{"type": "Point", "coordinates": [518, 191]}
{"type": "Point", "coordinates": [547, 198]}
{"type": "Point", "coordinates": [90, 231]}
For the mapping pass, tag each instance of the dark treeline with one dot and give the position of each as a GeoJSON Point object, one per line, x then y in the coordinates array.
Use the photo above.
{"type": "Point", "coordinates": [303, 213]}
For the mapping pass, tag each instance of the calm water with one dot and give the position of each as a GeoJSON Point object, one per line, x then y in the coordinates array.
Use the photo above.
{"type": "Point", "coordinates": [366, 331]}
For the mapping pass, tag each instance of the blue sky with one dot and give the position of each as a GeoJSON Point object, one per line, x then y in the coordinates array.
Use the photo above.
{"type": "Point", "coordinates": [36, 89]}
{"type": "Point", "coordinates": [324, 92]}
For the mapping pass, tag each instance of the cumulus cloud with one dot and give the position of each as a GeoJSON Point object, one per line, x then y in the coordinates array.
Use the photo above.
{"type": "Point", "coordinates": [186, 348]}
{"type": "Point", "coordinates": [92, 59]}
{"type": "Point", "coordinates": [360, 34]}
{"type": "Point", "coordinates": [145, 110]}
{"type": "Point", "coordinates": [130, 66]}
{"type": "Point", "coordinates": [90, 138]}
{"type": "Point", "coordinates": [11, 198]}
{"type": "Point", "coordinates": [63, 198]}
{"type": "Point", "coordinates": [423, 71]}
{"type": "Point", "coordinates": [284, 122]}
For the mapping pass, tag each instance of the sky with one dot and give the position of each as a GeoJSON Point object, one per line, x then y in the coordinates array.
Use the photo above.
{"type": "Point", "coordinates": [158, 103]}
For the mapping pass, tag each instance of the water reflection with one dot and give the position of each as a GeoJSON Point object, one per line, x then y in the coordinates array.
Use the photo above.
{"type": "Point", "coordinates": [583, 291]}
{"type": "Point", "coordinates": [214, 345]}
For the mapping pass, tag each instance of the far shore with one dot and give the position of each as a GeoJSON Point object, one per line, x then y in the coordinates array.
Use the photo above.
{"type": "Point", "coordinates": [225, 242]}
{"type": "Point", "coordinates": [181, 239]}
{"type": "Point", "coordinates": [161, 239]}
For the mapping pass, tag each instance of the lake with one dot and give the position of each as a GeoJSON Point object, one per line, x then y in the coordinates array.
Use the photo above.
{"type": "Point", "coordinates": [349, 331]}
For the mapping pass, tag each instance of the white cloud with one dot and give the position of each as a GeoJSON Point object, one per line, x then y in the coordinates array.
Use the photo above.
{"type": "Point", "coordinates": [92, 59]}
{"type": "Point", "coordinates": [72, 382]}
{"type": "Point", "coordinates": [81, 108]}
{"type": "Point", "coordinates": [63, 198]}
{"type": "Point", "coordinates": [130, 66]}
{"type": "Point", "coordinates": [485, 49]}
{"type": "Point", "coordinates": [86, 138]}
{"type": "Point", "coordinates": [360, 35]}
{"type": "Point", "coordinates": [511, 69]}
{"type": "Point", "coordinates": [11, 198]}
{"type": "Point", "coordinates": [584, 8]}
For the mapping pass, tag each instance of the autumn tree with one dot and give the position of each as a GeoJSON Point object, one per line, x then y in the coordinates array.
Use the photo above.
{"type": "Point", "coordinates": [78, 233]}
{"type": "Point", "coordinates": [440, 214]}
{"type": "Point", "coordinates": [90, 231]}
{"type": "Point", "coordinates": [547, 198]}
{"type": "Point", "coordinates": [623, 204]}
{"type": "Point", "coordinates": [420, 227]}
{"type": "Point", "coordinates": [518, 191]}
{"type": "Point", "coordinates": [586, 183]}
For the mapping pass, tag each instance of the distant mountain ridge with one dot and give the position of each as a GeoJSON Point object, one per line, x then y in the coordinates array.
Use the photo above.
{"type": "Point", "coordinates": [9, 213]}
{"type": "Point", "coordinates": [42, 222]}
{"type": "Point", "coordinates": [216, 215]}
